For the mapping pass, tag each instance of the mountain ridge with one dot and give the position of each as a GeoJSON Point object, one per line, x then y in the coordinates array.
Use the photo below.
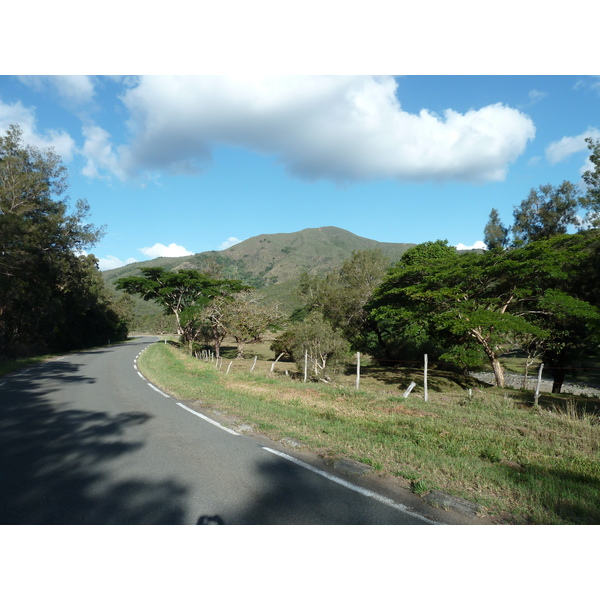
{"type": "Point", "coordinates": [273, 262]}
{"type": "Point", "coordinates": [270, 258]}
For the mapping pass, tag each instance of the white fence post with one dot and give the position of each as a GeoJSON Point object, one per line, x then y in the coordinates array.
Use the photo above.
{"type": "Point", "coordinates": [305, 365]}
{"type": "Point", "coordinates": [273, 365]}
{"type": "Point", "coordinates": [425, 380]}
{"type": "Point", "coordinates": [411, 387]}
{"type": "Point", "coordinates": [357, 370]}
{"type": "Point", "coordinates": [537, 388]}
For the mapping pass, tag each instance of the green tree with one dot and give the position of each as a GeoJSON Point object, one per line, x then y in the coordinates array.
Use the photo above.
{"type": "Point", "coordinates": [591, 177]}
{"type": "Point", "coordinates": [546, 212]}
{"type": "Point", "coordinates": [326, 348]}
{"type": "Point", "coordinates": [573, 330]}
{"type": "Point", "coordinates": [211, 326]}
{"type": "Point", "coordinates": [177, 291]}
{"type": "Point", "coordinates": [483, 303]}
{"type": "Point", "coordinates": [399, 331]}
{"type": "Point", "coordinates": [349, 290]}
{"type": "Point", "coordinates": [569, 312]}
{"type": "Point", "coordinates": [341, 296]}
{"type": "Point", "coordinates": [247, 318]}
{"type": "Point", "coordinates": [51, 296]}
{"type": "Point", "coordinates": [495, 233]}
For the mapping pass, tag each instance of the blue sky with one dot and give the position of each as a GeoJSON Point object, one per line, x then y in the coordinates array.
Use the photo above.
{"type": "Point", "coordinates": [184, 164]}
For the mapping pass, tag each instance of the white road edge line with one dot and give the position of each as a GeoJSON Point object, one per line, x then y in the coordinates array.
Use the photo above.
{"type": "Point", "coordinates": [351, 486]}
{"type": "Point", "coordinates": [207, 419]}
{"type": "Point", "coordinates": [159, 391]}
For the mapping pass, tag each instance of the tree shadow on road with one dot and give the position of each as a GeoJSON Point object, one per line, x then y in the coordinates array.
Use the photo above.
{"type": "Point", "coordinates": [54, 461]}
{"type": "Point", "coordinates": [292, 495]}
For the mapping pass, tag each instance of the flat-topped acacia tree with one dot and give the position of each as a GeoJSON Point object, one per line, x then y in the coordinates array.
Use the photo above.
{"type": "Point", "coordinates": [177, 291]}
{"type": "Point", "coordinates": [488, 301]}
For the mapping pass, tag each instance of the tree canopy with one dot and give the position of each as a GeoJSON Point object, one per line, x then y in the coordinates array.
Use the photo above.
{"type": "Point", "coordinates": [546, 212]}
{"type": "Point", "coordinates": [591, 177]}
{"type": "Point", "coordinates": [51, 294]}
{"type": "Point", "coordinates": [483, 303]}
{"type": "Point", "coordinates": [495, 234]}
{"type": "Point", "coordinates": [177, 291]}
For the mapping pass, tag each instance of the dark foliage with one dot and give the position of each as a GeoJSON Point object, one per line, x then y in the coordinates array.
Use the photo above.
{"type": "Point", "coordinates": [52, 296]}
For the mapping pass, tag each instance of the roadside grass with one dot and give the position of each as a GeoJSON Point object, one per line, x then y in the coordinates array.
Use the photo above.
{"type": "Point", "coordinates": [490, 446]}
{"type": "Point", "coordinates": [16, 364]}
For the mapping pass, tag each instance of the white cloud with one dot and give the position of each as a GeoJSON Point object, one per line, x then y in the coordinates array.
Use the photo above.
{"type": "Point", "coordinates": [159, 250]}
{"type": "Point", "coordinates": [100, 153]}
{"type": "Point", "coordinates": [17, 114]}
{"type": "Point", "coordinates": [568, 145]}
{"type": "Point", "coordinates": [536, 96]}
{"type": "Point", "coordinates": [112, 262]}
{"type": "Point", "coordinates": [75, 89]}
{"type": "Point", "coordinates": [340, 128]}
{"type": "Point", "coordinates": [476, 246]}
{"type": "Point", "coordinates": [232, 241]}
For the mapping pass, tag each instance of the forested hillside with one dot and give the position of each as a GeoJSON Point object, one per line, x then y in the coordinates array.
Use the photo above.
{"type": "Point", "coordinates": [269, 259]}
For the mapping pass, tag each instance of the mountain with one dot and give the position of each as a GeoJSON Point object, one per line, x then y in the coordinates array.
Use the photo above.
{"type": "Point", "coordinates": [274, 262]}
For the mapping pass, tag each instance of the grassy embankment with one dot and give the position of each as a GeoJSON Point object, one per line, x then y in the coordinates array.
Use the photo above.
{"type": "Point", "coordinates": [524, 465]}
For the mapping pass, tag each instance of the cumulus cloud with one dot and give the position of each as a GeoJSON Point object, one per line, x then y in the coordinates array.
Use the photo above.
{"type": "Point", "coordinates": [112, 262]}
{"type": "Point", "coordinates": [159, 250]}
{"type": "Point", "coordinates": [99, 152]}
{"type": "Point", "coordinates": [476, 246]}
{"type": "Point", "coordinates": [568, 145]}
{"type": "Point", "coordinates": [232, 241]}
{"type": "Point", "coordinates": [339, 128]}
{"type": "Point", "coordinates": [23, 116]}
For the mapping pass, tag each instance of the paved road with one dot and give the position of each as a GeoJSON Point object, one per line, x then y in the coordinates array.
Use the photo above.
{"type": "Point", "coordinates": [85, 439]}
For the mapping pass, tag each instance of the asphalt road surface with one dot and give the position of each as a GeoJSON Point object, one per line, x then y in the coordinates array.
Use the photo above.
{"type": "Point", "coordinates": [85, 439]}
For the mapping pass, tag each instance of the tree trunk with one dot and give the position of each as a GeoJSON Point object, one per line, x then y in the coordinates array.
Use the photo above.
{"type": "Point", "coordinates": [558, 366]}
{"type": "Point", "coordinates": [240, 345]}
{"type": "Point", "coordinates": [558, 378]}
{"type": "Point", "coordinates": [217, 338]}
{"type": "Point", "coordinates": [498, 371]}
{"type": "Point", "coordinates": [492, 356]}
{"type": "Point", "coordinates": [179, 327]}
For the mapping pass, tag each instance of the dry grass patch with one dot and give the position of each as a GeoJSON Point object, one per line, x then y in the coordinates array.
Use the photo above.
{"type": "Point", "coordinates": [404, 410]}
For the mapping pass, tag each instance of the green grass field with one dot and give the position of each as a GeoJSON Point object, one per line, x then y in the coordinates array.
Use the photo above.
{"type": "Point", "coordinates": [490, 446]}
